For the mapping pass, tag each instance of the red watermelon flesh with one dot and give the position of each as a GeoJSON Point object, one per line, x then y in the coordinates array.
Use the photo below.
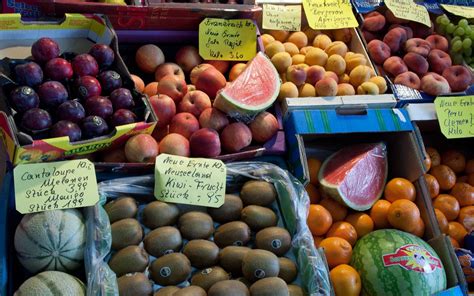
{"type": "Point", "coordinates": [355, 175]}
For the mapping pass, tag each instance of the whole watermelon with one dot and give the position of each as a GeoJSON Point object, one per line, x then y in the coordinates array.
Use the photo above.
{"type": "Point", "coordinates": [393, 262]}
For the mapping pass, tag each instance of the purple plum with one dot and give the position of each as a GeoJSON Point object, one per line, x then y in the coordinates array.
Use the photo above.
{"type": "Point", "coordinates": [94, 126]}
{"type": "Point", "coordinates": [85, 64]}
{"type": "Point", "coordinates": [72, 111]}
{"type": "Point", "coordinates": [52, 94]}
{"type": "Point", "coordinates": [122, 116]}
{"type": "Point", "coordinates": [29, 74]}
{"type": "Point", "coordinates": [66, 128]}
{"type": "Point", "coordinates": [45, 49]}
{"type": "Point", "coordinates": [122, 99]}
{"type": "Point", "coordinates": [100, 106]}
{"type": "Point", "coordinates": [58, 69]}
{"type": "Point", "coordinates": [36, 119]}
{"type": "Point", "coordinates": [87, 86]}
{"type": "Point", "coordinates": [103, 54]}
{"type": "Point", "coordinates": [110, 80]}
{"type": "Point", "coordinates": [24, 98]}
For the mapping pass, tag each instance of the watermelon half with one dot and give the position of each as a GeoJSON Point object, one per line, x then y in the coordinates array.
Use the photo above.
{"type": "Point", "coordinates": [355, 175]}
{"type": "Point", "coordinates": [393, 262]}
{"type": "Point", "coordinates": [252, 92]}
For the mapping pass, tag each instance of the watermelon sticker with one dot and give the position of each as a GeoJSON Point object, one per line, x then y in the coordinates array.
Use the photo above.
{"type": "Point", "coordinates": [413, 257]}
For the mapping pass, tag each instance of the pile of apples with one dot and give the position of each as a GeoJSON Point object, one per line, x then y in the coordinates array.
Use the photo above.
{"type": "Point", "coordinates": [413, 55]}
{"type": "Point", "coordinates": [187, 124]}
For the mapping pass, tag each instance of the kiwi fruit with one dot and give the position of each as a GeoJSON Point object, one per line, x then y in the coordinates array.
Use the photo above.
{"type": "Point", "coordinates": [274, 239]}
{"type": "Point", "coordinates": [196, 225]}
{"type": "Point", "coordinates": [209, 276]}
{"type": "Point", "coordinates": [258, 193]}
{"type": "Point", "coordinates": [158, 213]}
{"type": "Point", "coordinates": [191, 291]}
{"type": "Point", "coordinates": [167, 291]}
{"type": "Point", "coordinates": [128, 260]}
{"type": "Point", "coordinates": [126, 232]}
{"type": "Point", "coordinates": [228, 288]}
{"type": "Point", "coordinates": [271, 286]}
{"type": "Point", "coordinates": [288, 270]}
{"type": "Point", "coordinates": [121, 208]}
{"type": "Point", "coordinates": [134, 284]}
{"type": "Point", "coordinates": [202, 253]}
{"type": "Point", "coordinates": [257, 217]}
{"type": "Point", "coordinates": [259, 264]}
{"type": "Point", "coordinates": [229, 211]}
{"type": "Point", "coordinates": [230, 258]}
{"type": "Point", "coordinates": [244, 281]}
{"type": "Point", "coordinates": [235, 233]}
{"type": "Point", "coordinates": [163, 240]}
{"type": "Point", "coordinates": [295, 290]}
{"type": "Point", "coordinates": [170, 269]}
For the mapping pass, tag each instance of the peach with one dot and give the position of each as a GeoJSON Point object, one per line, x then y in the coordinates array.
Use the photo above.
{"type": "Point", "coordinates": [368, 88]}
{"type": "Point", "coordinates": [439, 60]}
{"type": "Point", "coordinates": [213, 118]}
{"type": "Point", "coordinates": [195, 102]}
{"type": "Point", "coordinates": [409, 79]}
{"type": "Point", "coordinates": [164, 108]}
{"type": "Point", "coordinates": [141, 148]}
{"type": "Point", "coordinates": [353, 60]}
{"type": "Point", "coordinates": [291, 48]}
{"type": "Point", "coordinates": [184, 124]}
{"type": "Point", "coordinates": [175, 144]}
{"type": "Point", "coordinates": [360, 74]}
{"type": "Point", "coordinates": [343, 35]}
{"type": "Point", "coordinates": [434, 84]}
{"type": "Point", "coordinates": [395, 38]}
{"type": "Point", "coordinates": [168, 68]}
{"type": "Point", "coordinates": [345, 89]}
{"type": "Point", "coordinates": [267, 39]}
{"type": "Point", "coordinates": [263, 127]}
{"type": "Point", "coordinates": [304, 50]}
{"type": "Point", "coordinates": [148, 57]}
{"type": "Point", "coordinates": [326, 87]}
{"type": "Point", "coordinates": [173, 86]}
{"type": "Point", "coordinates": [394, 66]}
{"type": "Point", "coordinates": [139, 84]}
{"type": "Point", "coordinates": [380, 82]}
{"type": "Point", "coordinates": [336, 64]}
{"type": "Point", "coordinates": [281, 61]}
{"type": "Point", "coordinates": [221, 66]}
{"type": "Point", "coordinates": [418, 45]}
{"type": "Point", "coordinates": [236, 136]}
{"type": "Point", "coordinates": [296, 74]}
{"type": "Point", "coordinates": [407, 29]}
{"type": "Point", "coordinates": [210, 81]}
{"type": "Point", "coordinates": [274, 48]}
{"type": "Point", "coordinates": [369, 36]}
{"type": "Point", "coordinates": [196, 71]}
{"type": "Point", "coordinates": [322, 41]}
{"type": "Point", "coordinates": [416, 63]}
{"type": "Point", "coordinates": [379, 51]}
{"type": "Point", "coordinates": [236, 70]}
{"type": "Point", "coordinates": [332, 75]}
{"type": "Point", "coordinates": [205, 143]}
{"type": "Point", "coordinates": [279, 35]}
{"type": "Point", "coordinates": [298, 38]}
{"type": "Point", "coordinates": [297, 59]}
{"type": "Point", "coordinates": [391, 18]}
{"type": "Point", "coordinates": [344, 78]}
{"type": "Point", "coordinates": [306, 90]}
{"type": "Point", "coordinates": [438, 42]}
{"type": "Point", "coordinates": [420, 30]}
{"type": "Point", "coordinates": [316, 56]}
{"type": "Point", "coordinates": [458, 77]}
{"type": "Point", "coordinates": [374, 21]}
{"type": "Point", "coordinates": [287, 90]}
{"type": "Point", "coordinates": [336, 47]}
{"type": "Point", "coordinates": [151, 89]}
{"type": "Point", "coordinates": [188, 57]}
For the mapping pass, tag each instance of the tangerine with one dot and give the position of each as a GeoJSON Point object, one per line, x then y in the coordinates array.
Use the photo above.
{"type": "Point", "coordinates": [317, 240]}
{"type": "Point", "coordinates": [337, 251]}
{"type": "Point", "coordinates": [345, 280]}
{"type": "Point", "coordinates": [314, 165]}
{"type": "Point", "coordinates": [379, 213]}
{"type": "Point", "coordinates": [338, 211]}
{"type": "Point", "coordinates": [420, 228]}
{"type": "Point", "coordinates": [457, 231]}
{"type": "Point", "coordinates": [343, 230]}
{"type": "Point", "coordinates": [445, 176]}
{"type": "Point", "coordinates": [447, 204]}
{"type": "Point", "coordinates": [319, 220]}
{"type": "Point", "coordinates": [454, 159]}
{"type": "Point", "coordinates": [464, 193]}
{"type": "Point", "coordinates": [139, 84]}
{"type": "Point", "coordinates": [399, 188]}
{"type": "Point", "coordinates": [362, 223]}
{"type": "Point", "coordinates": [151, 89]}
{"type": "Point", "coordinates": [313, 193]}
{"type": "Point", "coordinates": [442, 221]}
{"type": "Point", "coordinates": [403, 214]}
{"type": "Point", "coordinates": [454, 242]}
{"type": "Point", "coordinates": [433, 154]}
{"type": "Point", "coordinates": [433, 185]}
{"type": "Point", "coordinates": [427, 162]}
{"type": "Point", "coordinates": [466, 217]}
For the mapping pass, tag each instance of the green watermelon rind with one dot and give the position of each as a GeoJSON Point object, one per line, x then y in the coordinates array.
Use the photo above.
{"type": "Point", "coordinates": [334, 192]}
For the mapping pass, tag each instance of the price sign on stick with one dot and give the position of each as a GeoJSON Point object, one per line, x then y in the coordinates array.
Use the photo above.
{"type": "Point", "coordinates": [232, 40]}
{"type": "Point", "coordinates": [409, 10]}
{"type": "Point", "coordinates": [195, 181]}
{"type": "Point", "coordinates": [55, 185]}
{"type": "Point", "coordinates": [281, 17]}
{"type": "Point", "coordinates": [329, 14]}
{"type": "Point", "coordinates": [456, 116]}
{"type": "Point", "coordinates": [464, 11]}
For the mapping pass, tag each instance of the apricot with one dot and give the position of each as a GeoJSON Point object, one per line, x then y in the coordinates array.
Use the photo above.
{"type": "Point", "coordinates": [359, 75]}
{"type": "Point", "coordinates": [274, 48]}
{"type": "Point", "coordinates": [336, 64]}
{"type": "Point", "coordinates": [316, 56]}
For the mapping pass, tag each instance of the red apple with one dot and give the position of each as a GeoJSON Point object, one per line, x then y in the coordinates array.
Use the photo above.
{"type": "Point", "coordinates": [210, 81]}
{"type": "Point", "coordinates": [235, 137]}
{"type": "Point", "coordinates": [115, 155]}
{"type": "Point", "coordinates": [173, 86]}
{"type": "Point", "coordinates": [141, 148]}
{"type": "Point", "coordinates": [168, 69]}
{"type": "Point", "coordinates": [264, 127]}
{"type": "Point", "coordinates": [196, 71]}
{"type": "Point", "coordinates": [205, 143]}
{"type": "Point", "coordinates": [184, 124]}
{"type": "Point", "coordinates": [164, 108]}
{"type": "Point", "coordinates": [195, 102]}
{"type": "Point", "coordinates": [175, 144]}
{"type": "Point", "coordinates": [188, 57]}
{"type": "Point", "coordinates": [213, 118]}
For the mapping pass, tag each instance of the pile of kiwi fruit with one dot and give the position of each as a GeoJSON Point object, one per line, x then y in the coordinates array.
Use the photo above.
{"type": "Point", "coordinates": [234, 250]}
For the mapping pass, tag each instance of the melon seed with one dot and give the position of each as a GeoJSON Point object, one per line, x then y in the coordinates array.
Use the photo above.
{"type": "Point", "coordinates": [259, 264]}
{"type": "Point", "coordinates": [229, 211]}
{"type": "Point", "coordinates": [202, 253]}
{"type": "Point", "coordinates": [128, 260]}
{"type": "Point", "coordinates": [158, 213]}
{"type": "Point", "coordinates": [170, 269]}
{"type": "Point", "coordinates": [271, 286]}
{"type": "Point", "coordinates": [121, 208]}
{"type": "Point", "coordinates": [126, 232]}
{"type": "Point", "coordinates": [196, 225]}
{"type": "Point", "coordinates": [274, 239]}
{"type": "Point", "coordinates": [288, 270]}
{"type": "Point", "coordinates": [209, 276]}
{"type": "Point", "coordinates": [235, 233]}
{"type": "Point", "coordinates": [134, 284]}
{"type": "Point", "coordinates": [162, 241]}
{"type": "Point", "coordinates": [258, 193]}
{"type": "Point", "coordinates": [258, 217]}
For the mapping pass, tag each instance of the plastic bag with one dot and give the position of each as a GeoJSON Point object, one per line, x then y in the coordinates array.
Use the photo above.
{"type": "Point", "coordinates": [293, 204]}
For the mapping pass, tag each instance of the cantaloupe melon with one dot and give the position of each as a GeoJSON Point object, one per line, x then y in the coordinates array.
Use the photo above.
{"type": "Point", "coordinates": [52, 283]}
{"type": "Point", "coordinates": [51, 240]}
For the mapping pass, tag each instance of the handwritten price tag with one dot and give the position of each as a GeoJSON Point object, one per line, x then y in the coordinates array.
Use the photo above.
{"type": "Point", "coordinates": [55, 185]}
{"type": "Point", "coordinates": [464, 11]}
{"type": "Point", "coordinates": [195, 181]}
{"type": "Point", "coordinates": [409, 10]}
{"type": "Point", "coordinates": [329, 14]}
{"type": "Point", "coordinates": [230, 40]}
{"type": "Point", "coordinates": [456, 116]}
{"type": "Point", "coordinates": [281, 17]}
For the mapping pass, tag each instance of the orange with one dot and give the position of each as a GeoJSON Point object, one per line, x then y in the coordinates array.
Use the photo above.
{"type": "Point", "coordinates": [442, 221]}
{"type": "Point", "coordinates": [433, 185]}
{"type": "Point", "coordinates": [337, 251]}
{"type": "Point", "coordinates": [445, 176]}
{"type": "Point", "coordinates": [427, 162]}
{"type": "Point", "coordinates": [338, 211]}
{"type": "Point", "coordinates": [399, 188]}
{"type": "Point", "coordinates": [314, 165]}
{"type": "Point", "coordinates": [343, 230]}
{"type": "Point", "coordinates": [313, 193]}
{"type": "Point", "coordinates": [345, 280]}
{"type": "Point", "coordinates": [457, 231]}
{"type": "Point", "coordinates": [362, 223]}
{"type": "Point", "coordinates": [434, 156]}
{"type": "Point", "coordinates": [319, 220]}
{"type": "Point", "coordinates": [454, 242]}
{"type": "Point", "coordinates": [379, 213]}
{"type": "Point", "coordinates": [420, 228]}
{"type": "Point", "coordinates": [469, 166]}
{"type": "Point", "coordinates": [464, 193]}
{"type": "Point", "coordinates": [454, 159]}
{"type": "Point", "coordinates": [466, 217]}
{"type": "Point", "coordinates": [403, 214]}
{"type": "Point", "coordinates": [447, 204]}
{"type": "Point", "coordinates": [317, 240]}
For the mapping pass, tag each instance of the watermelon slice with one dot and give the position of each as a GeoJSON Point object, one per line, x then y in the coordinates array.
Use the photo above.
{"type": "Point", "coordinates": [254, 90]}
{"type": "Point", "coordinates": [355, 175]}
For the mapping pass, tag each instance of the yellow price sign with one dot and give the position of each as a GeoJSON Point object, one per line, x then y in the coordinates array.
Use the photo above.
{"type": "Point", "coordinates": [409, 10]}
{"type": "Point", "coordinates": [281, 17]}
{"type": "Point", "coordinates": [329, 14]}
{"type": "Point", "coordinates": [464, 11]}
{"type": "Point", "coordinates": [456, 116]}
{"type": "Point", "coordinates": [194, 181]}
{"type": "Point", "coordinates": [58, 185]}
{"type": "Point", "coordinates": [231, 40]}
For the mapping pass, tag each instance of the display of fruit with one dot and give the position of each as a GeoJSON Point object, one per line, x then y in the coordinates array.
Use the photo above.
{"type": "Point", "coordinates": [211, 250]}
{"type": "Point", "coordinates": [320, 64]}
{"type": "Point", "coordinates": [413, 55]}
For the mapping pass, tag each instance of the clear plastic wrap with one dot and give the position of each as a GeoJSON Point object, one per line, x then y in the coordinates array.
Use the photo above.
{"type": "Point", "coordinates": [293, 205]}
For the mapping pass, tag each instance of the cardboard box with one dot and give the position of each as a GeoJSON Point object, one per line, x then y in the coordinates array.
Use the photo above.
{"type": "Point", "coordinates": [319, 133]}
{"type": "Point", "coordinates": [76, 33]}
